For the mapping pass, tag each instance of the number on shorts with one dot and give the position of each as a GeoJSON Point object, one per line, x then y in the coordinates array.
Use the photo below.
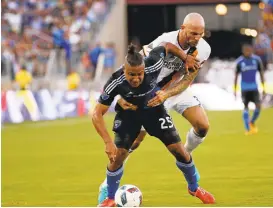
{"type": "Point", "coordinates": [166, 123]}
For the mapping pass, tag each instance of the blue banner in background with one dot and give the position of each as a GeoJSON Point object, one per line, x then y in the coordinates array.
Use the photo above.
{"type": "Point", "coordinates": [42, 105]}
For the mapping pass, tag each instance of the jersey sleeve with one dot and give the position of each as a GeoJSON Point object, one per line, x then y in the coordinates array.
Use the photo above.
{"type": "Point", "coordinates": [157, 53]}
{"type": "Point", "coordinates": [203, 51]}
{"type": "Point", "coordinates": [148, 48]}
{"type": "Point", "coordinates": [109, 92]}
{"type": "Point", "coordinates": [238, 67]}
{"type": "Point", "coordinates": [154, 62]}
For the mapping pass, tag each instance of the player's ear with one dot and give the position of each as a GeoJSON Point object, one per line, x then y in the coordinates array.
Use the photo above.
{"type": "Point", "coordinates": [182, 27]}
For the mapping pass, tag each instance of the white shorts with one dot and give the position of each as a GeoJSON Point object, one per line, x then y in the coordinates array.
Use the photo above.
{"type": "Point", "coordinates": [181, 102]}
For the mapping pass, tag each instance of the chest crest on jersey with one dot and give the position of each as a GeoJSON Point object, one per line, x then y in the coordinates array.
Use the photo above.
{"type": "Point", "coordinates": [173, 63]}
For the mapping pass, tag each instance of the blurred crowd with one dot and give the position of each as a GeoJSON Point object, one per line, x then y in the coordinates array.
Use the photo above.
{"type": "Point", "coordinates": [263, 43]}
{"type": "Point", "coordinates": [32, 28]}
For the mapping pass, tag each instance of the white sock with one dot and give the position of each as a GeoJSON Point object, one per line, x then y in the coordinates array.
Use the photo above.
{"type": "Point", "coordinates": [193, 140]}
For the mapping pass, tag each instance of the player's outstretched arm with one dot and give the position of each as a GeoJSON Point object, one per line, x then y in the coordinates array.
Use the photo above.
{"type": "Point", "coordinates": [261, 70]}
{"type": "Point", "coordinates": [237, 72]}
{"type": "Point", "coordinates": [99, 124]}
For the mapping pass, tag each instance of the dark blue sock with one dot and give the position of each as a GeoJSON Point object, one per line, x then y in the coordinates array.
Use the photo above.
{"type": "Point", "coordinates": [255, 115]}
{"type": "Point", "coordinates": [246, 119]}
{"type": "Point", "coordinates": [189, 173]}
{"type": "Point", "coordinates": [113, 180]}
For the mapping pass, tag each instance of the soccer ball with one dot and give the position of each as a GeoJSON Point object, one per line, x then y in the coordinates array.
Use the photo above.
{"type": "Point", "coordinates": [128, 196]}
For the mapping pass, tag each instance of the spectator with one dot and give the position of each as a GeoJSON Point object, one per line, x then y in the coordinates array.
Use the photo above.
{"type": "Point", "coordinates": [94, 56]}
{"type": "Point", "coordinates": [110, 58]}
{"type": "Point", "coordinates": [262, 47]}
{"type": "Point", "coordinates": [73, 80]}
{"type": "Point", "coordinates": [23, 78]}
{"type": "Point", "coordinates": [37, 26]}
{"type": "Point", "coordinates": [60, 42]}
{"type": "Point", "coordinates": [88, 69]}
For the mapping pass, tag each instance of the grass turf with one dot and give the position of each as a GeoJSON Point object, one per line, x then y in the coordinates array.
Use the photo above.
{"type": "Point", "coordinates": [62, 163]}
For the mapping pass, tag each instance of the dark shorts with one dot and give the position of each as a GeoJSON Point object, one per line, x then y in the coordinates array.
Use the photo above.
{"type": "Point", "coordinates": [156, 122]}
{"type": "Point", "coordinates": [251, 96]}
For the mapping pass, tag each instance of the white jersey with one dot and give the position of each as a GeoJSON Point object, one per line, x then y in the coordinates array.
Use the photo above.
{"type": "Point", "coordinates": [172, 63]}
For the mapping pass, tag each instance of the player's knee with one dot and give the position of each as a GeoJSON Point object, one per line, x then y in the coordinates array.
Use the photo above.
{"type": "Point", "coordinates": [202, 128]}
{"type": "Point", "coordinates": [140, 137]}
{"type": "Point", "coordinates": [258, 106]}
{"type": "Point", "coordinates": [246, 106]}
{"type": "Point", "coordinates": [179, 153]}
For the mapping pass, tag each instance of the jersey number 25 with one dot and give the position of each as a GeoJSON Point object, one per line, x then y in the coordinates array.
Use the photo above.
{"type": "Point", "coordinates": [166, 123]}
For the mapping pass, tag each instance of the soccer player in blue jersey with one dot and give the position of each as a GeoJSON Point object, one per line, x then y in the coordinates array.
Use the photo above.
{"type": "Point", "coordinates": [136, 81]}
{"type": "Point", "coordinates": [248, 65]}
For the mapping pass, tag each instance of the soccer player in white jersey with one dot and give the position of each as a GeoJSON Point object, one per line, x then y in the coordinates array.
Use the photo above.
{"type": "Point", "coordinates": [176, 93]}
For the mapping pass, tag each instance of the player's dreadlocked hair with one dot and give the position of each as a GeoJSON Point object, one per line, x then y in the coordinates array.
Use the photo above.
{"type": "Point", "coordinates": [133, 58]}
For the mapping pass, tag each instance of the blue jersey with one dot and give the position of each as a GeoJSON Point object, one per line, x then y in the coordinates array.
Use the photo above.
{"type": "Point", "coordinates": [248, 67]}
{"type": "Point", "coordinates": [139, 96]}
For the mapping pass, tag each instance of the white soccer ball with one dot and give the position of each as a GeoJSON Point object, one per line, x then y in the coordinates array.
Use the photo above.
{"type": "Point", "coordinates": [128, 196]}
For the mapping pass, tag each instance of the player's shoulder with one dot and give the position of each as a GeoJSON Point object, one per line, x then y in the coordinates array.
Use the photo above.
{"type": "Point", "coordinates": [239, 59]}
{"type": "Point", "coordinates": [118, 75]}
{"type": "Point", "coordinates": [169, 36]}
{"type": "Point", "coordinates": [203, 46]}
{"type": "Point", "coordinates": [203, 49]}
{"type": "Point", "coordinates": [256, 57]}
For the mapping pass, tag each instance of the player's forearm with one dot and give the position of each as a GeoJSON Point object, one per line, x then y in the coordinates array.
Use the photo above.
{"type": "Point", "coordinates": [181, 85]}
{"type": "Point", "coordinates": [171, 48]}
{"type": "Point", "coordinates": [99, 124]}
{"type": "Point", "coordinates": [262, 77]}
{"type": "Point", "coordinates": [235, 82]}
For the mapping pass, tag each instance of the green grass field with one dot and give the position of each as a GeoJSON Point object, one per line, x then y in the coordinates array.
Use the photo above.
{"type": "Point", "coordinates": [62, 163]}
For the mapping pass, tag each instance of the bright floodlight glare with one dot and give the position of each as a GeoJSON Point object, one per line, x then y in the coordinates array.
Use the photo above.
{"type": "Point", "coordinates": [242, 31]}
{"type": "Point", "coordinates": [254, 33]}
{"type": "Point", "coordinates": [221, 9]}
{"type": "Point", "coordinates": [248, 32]}
{"type": "Point", "coordinates": [261, 5]}
{"type": "Point", "coordinates": [245, 7]}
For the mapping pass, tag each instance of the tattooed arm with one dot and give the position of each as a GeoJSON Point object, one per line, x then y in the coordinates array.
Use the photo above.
{"type": "Point", "coordinates": [182, 85]}
{"type": "Point", "coordinates": [178, 88]}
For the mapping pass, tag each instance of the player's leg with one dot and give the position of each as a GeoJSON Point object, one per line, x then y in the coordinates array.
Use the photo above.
{"type": "Point", "coordinates": [198, 118]}
{"type": "Point", "coordinates": [103, 191]}
{"type": "Point", "coordinates": [138, 140]}
{"type": "Point", "coordinates": [123, 140]}
{"type": "Point", "coordinates": [114, 173]}
{"type": "Point", "coordinates": [160, 125]}
{"type": "Point", "coordinates": [186, 165]}
{"type": "Point", "coordinates": [245, 99]}
{"type": "Point", "coordinates": [257, 111]}
{"type": "Point", "coordinates": [190, 108]}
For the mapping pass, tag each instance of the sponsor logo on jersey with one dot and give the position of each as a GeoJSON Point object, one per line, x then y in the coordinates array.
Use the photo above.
{"type": "Point", "coordinates": [104, 96]}
{"type": "Point", "coordinates": [129, 94]}
{"type": "Point", "coordinates": [117, 124]}
{"type": "Point", "coordinates": [176, 66]}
